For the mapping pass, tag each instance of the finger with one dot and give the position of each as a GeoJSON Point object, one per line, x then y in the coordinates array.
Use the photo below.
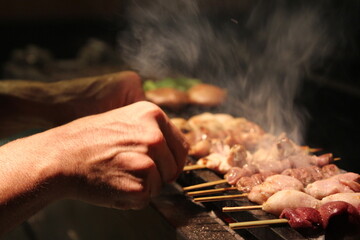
{"type": "Point", "coordinates": [175, 141]}
{"type": "Point", "coordinates": [163, 157]}
{"type": "Point", "coordinates": [142, 167]}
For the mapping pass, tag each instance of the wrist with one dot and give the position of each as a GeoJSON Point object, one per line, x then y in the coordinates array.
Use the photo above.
{"type": "Point", "coordinates": [30, 167]}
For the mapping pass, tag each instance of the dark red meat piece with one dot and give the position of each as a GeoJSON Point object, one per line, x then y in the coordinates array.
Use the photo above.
{"type": "Point", "coordinates": [339, 213]}
{"type": "Point", "coordinates": [303, 217]}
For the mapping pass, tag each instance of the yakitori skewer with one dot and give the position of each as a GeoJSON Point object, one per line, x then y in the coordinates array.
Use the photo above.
{"type": "Point", "coordinates": [326, 171]}
{"type": "Point", "coordinates": [198, 166]}
{"type": "Point", "coordinates": [207, 184]}
{"type": "Point", "coordinates": [211, 191]}
{"type": "Point", "coordinates": [194, 167]}
{"type": "Point", "coordinates": [311, 218]}
{"type": "Point", "coordinates": [220, 198]}
{"type": "Point", "coordinates": [258, 223]}
{"type": "Point", "coordinates": [242, 208]}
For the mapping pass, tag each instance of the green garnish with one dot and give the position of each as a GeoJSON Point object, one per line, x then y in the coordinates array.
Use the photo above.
{"type": "Point", "coordinates": [182, 84]}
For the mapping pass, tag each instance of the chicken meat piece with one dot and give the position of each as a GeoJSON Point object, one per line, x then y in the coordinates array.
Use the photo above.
{"type": "Point", "coordinates": [341, 183]}
{"type": "Point", "coordinates": [329, 170]}
{"type": "Point", "coordinates": [224, 157]}
{"type": "Point", "coordinates": [246, 183]}
{"type": "Point", "coordinates": [205, 128]}
{"type": "Point", "coordinates": [271, 185]}
{"type": "Point", "coordinates": [244, 132]}
{"type": "Point", "coordinates": [306, 174]}
{"type": "Point", "coordinates": [289, 199]}
{"type": "Point", "coordinates": [275, 154]}
{"type": "Point", "coordinates": [351, 198]}
{"type": "Point", "coordinates": [235, 173]}
{"type": "Point", "coordinates": [280, 148]}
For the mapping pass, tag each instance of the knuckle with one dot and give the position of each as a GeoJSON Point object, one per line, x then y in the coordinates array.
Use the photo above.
{"type": "Point", "coordinates": [156, 137]}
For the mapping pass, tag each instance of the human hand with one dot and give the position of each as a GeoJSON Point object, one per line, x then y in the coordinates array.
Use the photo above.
{"type": "Point", "coordinates": [120, 158]}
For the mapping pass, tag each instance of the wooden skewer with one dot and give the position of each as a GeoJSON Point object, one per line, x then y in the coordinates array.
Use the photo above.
{"type": "Point", "coordinates": [259, 223]}
{"type": "Point", "coordinates": [210, 191]}
{"type": "Point", "coordinates": [207, 184]}
{"type": "Point", "coordinates": [220, 198]}
{"type": "Point", "coordinates": [313, 150]}
{"type": "Point", "coordinates": [241, 208]}
{"type": "Point", "coordinates": [193, 167]}
{"type": "Point", "coordinates": [336, 159]}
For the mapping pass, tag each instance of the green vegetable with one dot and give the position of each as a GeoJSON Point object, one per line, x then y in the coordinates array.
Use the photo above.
{"type": "Point", "coordinates": [182, 84]}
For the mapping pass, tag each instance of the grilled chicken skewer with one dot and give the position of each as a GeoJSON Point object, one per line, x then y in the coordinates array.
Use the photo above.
{"type": "Point", "coordinates": [311, 218]}
{"type": "Point", "coordinates": [295, 199]}
{"type": "Point", "coordinates": [305, 175]}
{"type": "Point", "coordinates": [346, 182]}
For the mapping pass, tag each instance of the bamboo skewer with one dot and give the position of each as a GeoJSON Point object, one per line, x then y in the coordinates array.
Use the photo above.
{"type": "Point", "coordinates": [258, 223]}
{"type": "Point", "coordinates": [207, 184]}
{"type": "Point", "coordinates": [241, 208]}
{"type": "Point", "coordinates": [220, 198]}
{"type": "Point", "coordinates": [193, 167]}
{"type": "Point", "coordinates": [311, 150]}
{"type": "Point", "coordinates": [210, 191]}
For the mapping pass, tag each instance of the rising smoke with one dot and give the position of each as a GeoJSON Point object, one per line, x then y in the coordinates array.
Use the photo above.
{"type": "Point", "coordinates": [259, 55]}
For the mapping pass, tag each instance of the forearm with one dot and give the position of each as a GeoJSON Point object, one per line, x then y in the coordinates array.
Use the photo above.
{"type": "Point", "coordinates": [30, 179]}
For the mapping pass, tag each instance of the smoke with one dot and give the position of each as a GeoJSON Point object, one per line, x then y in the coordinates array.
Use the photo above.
{"type": "Point", "coordinates": [259, 55]}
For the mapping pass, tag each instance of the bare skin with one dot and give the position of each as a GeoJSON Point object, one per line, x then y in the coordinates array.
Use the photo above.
{"type": "Point", "coordinates": [119, 159]}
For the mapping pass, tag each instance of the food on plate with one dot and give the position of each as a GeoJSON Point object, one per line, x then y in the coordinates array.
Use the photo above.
{"type": "Point", "coordinates": [175, 93]}
{"type": "Point", "coordinates": [206, 95]}
{"type": "Point", "coordinates": [167, 97]}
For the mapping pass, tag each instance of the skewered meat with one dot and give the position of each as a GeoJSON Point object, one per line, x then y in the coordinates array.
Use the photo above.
{"type": "Point", "coordinates": [282, 149]}
{"type": "Point", "coordinates": [311, 174]}
{"type": "Point", "coordinates": [303, 217]}
{"type": "Point", "coordinates": [244, 132]}
{"type": "Point", "coordinates": [289, 199]}
{"type": "Point", "coordinates": [304, 175]}
{"type": "Point", "coordinates": [329, 170]}
{"type": "Point", "coordinates": [235, 173]}
{"type": "Point", "coordinates": [271, 185]}
{"type": "Point", "coordinates": [346, 182]}
{"type": "Point", "coordinates": [245, 181]}
{"type": "Point", "coordinates": [223, 157]}
{"type": "Point", "coordinates": [294, 199]}
{"type": "Point", "coordinates": [213, 136]}
{"type": "Point", "coordinates": [339, 211]}
{"type": "Point", "coordinates": [352, 198]}
{"type": "Point", "coordinates": [202, 129]}
{"type": "Point", "coordinates": [206, 95]}
{"type": "Point", "coordinates": [245, 184]}
{"type": "Point", "coordinates": [208, 126]}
